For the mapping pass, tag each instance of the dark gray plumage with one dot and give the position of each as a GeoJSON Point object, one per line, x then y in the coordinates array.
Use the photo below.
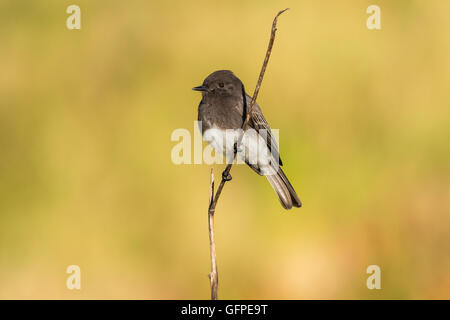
{"type": "Point", "coordinates": [224, 106]}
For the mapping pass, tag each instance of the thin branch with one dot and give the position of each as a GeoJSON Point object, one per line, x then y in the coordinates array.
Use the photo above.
{"type": "Point", "coordinates": [212, 206]}
{"type": "Point", "coordinates": [213, 276]}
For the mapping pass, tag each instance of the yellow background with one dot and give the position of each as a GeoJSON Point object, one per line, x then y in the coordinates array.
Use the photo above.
{"type": "Point", "coordinates": [86, 176]}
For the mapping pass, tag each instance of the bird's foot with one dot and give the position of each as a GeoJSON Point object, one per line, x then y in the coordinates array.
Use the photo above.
{"type": "Point", "coordinates": [226, 176]}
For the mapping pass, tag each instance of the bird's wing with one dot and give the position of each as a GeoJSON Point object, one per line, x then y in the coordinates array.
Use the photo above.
{"type": "Point", "coordinates": [257, 122]}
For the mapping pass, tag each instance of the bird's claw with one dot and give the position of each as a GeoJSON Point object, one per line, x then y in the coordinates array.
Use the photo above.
{"type": "Point", "coordinates": [226, 176]}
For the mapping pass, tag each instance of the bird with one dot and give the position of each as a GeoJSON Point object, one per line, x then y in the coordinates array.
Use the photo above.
{"type": "Point", "coordinates": [221, 114]}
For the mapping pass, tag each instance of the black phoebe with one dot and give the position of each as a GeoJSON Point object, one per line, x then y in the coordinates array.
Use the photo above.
{"type": "Point", "coordinates": [223, 107]}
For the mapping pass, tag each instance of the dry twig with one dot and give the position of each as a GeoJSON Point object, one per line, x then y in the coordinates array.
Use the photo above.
{"type": "Point", "coordinates": [213, 276]}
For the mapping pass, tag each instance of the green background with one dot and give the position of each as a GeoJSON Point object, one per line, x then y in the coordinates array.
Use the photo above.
{"type": "Point", "coordinates": [86, 176]}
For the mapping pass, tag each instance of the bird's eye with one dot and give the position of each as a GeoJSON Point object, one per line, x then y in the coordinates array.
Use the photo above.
{"type": "Point", "coordinates": [221, 84]}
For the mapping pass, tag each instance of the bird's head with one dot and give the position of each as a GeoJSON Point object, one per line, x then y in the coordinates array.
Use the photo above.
{"type": "Point", "coordinates": [221, 83]}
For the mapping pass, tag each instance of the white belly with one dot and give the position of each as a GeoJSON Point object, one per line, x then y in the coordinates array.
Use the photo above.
{"type": "Point", "coordinates": [253, 148]}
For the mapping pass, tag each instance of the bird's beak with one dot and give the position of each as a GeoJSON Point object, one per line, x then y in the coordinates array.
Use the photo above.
{"type": "Point", "coordinates": [200, 88]}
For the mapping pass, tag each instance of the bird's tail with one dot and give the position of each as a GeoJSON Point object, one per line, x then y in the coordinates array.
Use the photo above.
{"type": "Point", "coordinates": [284, 190]}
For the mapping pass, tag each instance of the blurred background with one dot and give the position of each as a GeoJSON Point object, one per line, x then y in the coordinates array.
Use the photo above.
{"type": "Point", "coordinates": [86, 176]}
